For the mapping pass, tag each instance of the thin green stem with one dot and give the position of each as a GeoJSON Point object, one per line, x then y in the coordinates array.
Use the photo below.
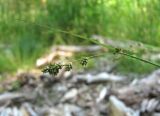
{"type": "Point", "coordinates": [92, 40]}
{"type": "Point", "coordinates": [138, 58]}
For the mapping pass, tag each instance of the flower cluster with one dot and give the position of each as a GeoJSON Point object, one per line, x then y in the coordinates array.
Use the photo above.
{"type": "Point", "coordinates": [117, 50]}
{"type": "Point", "coordinates": [54, 69]}
{"type": "Point", "coordinates": [84, 61]}
{"type": "Point", "coordinates": [68, 67]}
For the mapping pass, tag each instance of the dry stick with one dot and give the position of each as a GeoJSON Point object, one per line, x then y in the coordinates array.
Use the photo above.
{"type": "Point", "coordinates": [94, 41]}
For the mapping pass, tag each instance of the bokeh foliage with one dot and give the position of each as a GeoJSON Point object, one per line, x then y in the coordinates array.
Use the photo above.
{"type": "Point", "coordinates": [21, 42]}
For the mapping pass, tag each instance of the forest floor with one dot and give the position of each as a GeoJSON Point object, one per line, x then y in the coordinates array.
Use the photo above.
{"type": "Point", "coordinates": [74, 93]}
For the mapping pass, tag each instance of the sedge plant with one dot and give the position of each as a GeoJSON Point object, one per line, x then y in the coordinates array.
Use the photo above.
{"type": "Point", "coordinates": [54, 69]}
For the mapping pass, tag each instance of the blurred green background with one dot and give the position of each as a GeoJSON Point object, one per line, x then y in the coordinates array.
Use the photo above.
{"type": "Point", "coordinates": [22, 42]}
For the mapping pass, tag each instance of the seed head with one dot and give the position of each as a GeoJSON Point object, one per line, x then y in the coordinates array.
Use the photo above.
{"type": "Point", "coordinates": [52, 69]}
{"type": "Point", "coordinates": [84, 61]}
{"type": "Point", "coordinates": [117, 50]}
{"type": "Point", "coordinates": [68, 67]}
